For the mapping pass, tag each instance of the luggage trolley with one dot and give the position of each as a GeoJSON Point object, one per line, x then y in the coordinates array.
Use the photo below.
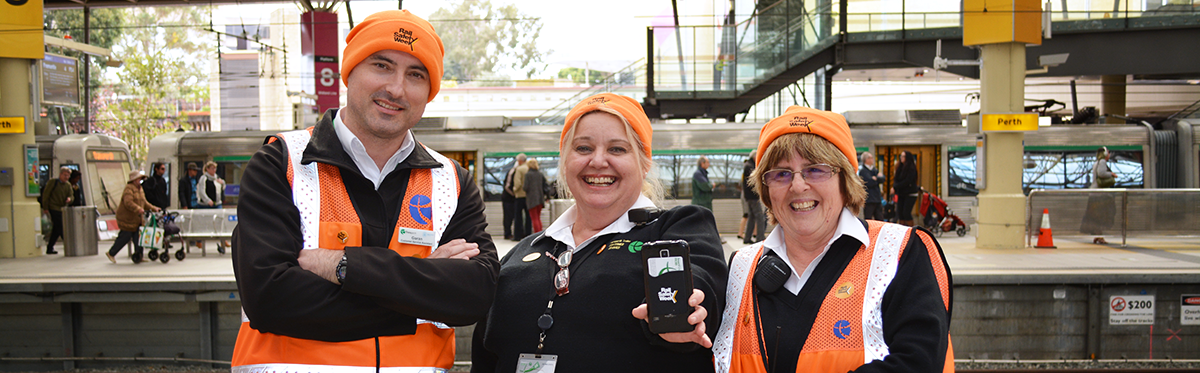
{"type": "Point", "coordinates": [160, 228]}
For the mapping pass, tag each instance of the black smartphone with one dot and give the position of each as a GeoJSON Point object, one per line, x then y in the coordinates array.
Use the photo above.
{"type": "Point", "coordinates": [668, 273]}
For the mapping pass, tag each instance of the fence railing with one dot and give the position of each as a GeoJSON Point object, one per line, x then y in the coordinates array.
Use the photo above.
{"type": "Point", "coordinates": [1108, 212]}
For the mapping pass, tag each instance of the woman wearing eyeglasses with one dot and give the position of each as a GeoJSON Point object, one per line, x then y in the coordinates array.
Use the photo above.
{"type": "Point", "coordinates": [827, 292]}
{"type": "Point", "coordinates": [571, 297]}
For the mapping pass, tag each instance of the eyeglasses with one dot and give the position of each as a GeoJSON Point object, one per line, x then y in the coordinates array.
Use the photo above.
{"type": "Point", "coordinates": [562, 278]}
{"type": "Point", "coordinates": [812, 174]}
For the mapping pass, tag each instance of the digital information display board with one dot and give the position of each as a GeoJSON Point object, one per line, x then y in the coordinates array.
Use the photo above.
{"type": "Point", "coordinates": [60, 80]}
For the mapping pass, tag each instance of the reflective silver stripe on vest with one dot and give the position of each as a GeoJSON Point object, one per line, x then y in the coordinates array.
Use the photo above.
{"type": "Point", "coordinates": [306, 187]}
{"type": "Point", "coordinates": [885, 261]}
{"type": "Point", "coordinates": [306, 368]}
{"type": "Point", "coordinates": [444, 194]}
{"type": "Point", "coordinates": [739, 271]}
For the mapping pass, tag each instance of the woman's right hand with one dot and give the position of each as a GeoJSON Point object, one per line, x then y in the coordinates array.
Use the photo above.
{"type": "Point", "coordinates": [697, 317]}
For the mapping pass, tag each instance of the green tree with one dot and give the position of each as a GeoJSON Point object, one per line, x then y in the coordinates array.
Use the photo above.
{"type": "Point", "coordinates": [576, 75]}
{"type": "Point", "coordinates": [481, 38]}
{"type": "Point", "coordinates": [165, 74]}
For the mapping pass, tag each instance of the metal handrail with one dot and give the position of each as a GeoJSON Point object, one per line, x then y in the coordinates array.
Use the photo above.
{"type": "Point", "coordinates": [1122, 192]}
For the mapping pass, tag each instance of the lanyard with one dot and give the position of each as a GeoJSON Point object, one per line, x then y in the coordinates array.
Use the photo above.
{"type": "Point", "coordinates": [546, 320]}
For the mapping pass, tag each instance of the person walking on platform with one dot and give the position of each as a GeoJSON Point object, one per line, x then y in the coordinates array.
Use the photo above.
{"type": "Point", "coordinates": [828, 292]}
{"type": "Point", "coordinates": [521, 212]}
{"type": "Point", "coordinates": [508, 201]}
{"type": "Point", "coordinates": [1101, 207]}
{"type": "Point", "coordinates": [905, 187]}
{"type": "Point", "coordinates": [187, 187]}
{"type": "Point", "coordinates": [535, 196]}
{"type": "Point", "coordinates": [756, 223]}
{"type": "Point", "coordinates": [130, 217]}
{"type": "Point", "coordinates": [358, 248]}
{"type": "Point", "coordinates": [55, 196]}
{"type": "Point", "coordinates": [873, 208]}
{"type": "Point", "coordinates": [702, 188]}
{"type": "Point", "coordinates": [210, 189]}
{"type": "Point", "coordinates": [155, 187]}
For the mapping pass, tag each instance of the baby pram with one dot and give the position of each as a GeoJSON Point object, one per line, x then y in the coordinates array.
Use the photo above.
{"type": "Point", "coordinates": [166, 222]}
{"type": "Point", "coordinates": [937, 216]}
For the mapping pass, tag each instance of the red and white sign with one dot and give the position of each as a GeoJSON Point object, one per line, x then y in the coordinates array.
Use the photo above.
{"type": "Point", "coordinates": [319, 41]}
{"type": "Point", "coordinates": [1189, 309]}
{"type": "Point", "coordinates": [1131, 310]}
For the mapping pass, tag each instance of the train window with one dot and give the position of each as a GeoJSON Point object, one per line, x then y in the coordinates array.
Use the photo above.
{"type": "Point", "coordinates": [675, 172]}
{"type": "Point", "coordinates": [107, 184]}
{"type": "Point", "coordinates": [496, 168]}
{"type": "Point", "coordinates": [1050, 169]}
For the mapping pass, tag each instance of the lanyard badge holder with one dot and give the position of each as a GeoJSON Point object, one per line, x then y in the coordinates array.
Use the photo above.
{"type": "Point", "coordinates": [545, 363]}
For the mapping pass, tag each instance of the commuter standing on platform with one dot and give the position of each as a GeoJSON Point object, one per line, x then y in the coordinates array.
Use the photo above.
{"type": "Point", "coordinates": [702, 188]}
{"type": "Point", "coordinates": [756, 223]}
{"type": "Point", "coordinates": [130, 217]}
{"type": "Point", "coordinates": [508, 201]}
{"type": "Point", "coordinates": [535, 198]}
{"type": "Point", "coordinates": [1101, 207]}
{"type": "Point", "coordinates": [524, 226]}
{"type": "Point", "coordinates": [55, 196]}
{"type": "Point", "coordinates": [873, 208]}
{"type": "Point", "coordinates": [77, 197]}
{"type": "Point", "coordinates": [828, 292]}
{"type": "Point", "coordinates": [357, 247]}
{"type": "Point", "coordinates": [187, 187]}
{"type": "Point", "coordinates": [210, 189]}
{"type": "Point", "coordinates": [155, 187]}
{"type": "Point", "coordinates": [905, 187]}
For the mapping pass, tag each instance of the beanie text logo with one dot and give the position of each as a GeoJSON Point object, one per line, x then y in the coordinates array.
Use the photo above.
{"type": "Point", "coordinates": [598, 100]}
{"type": "Point", "coordinates": [800, 121]}
{"type": "Point", "coordinates": [405, 37]}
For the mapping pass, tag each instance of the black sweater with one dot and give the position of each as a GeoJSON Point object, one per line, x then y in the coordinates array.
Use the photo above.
{"type": "Point", "coordinates": [383, 292]}
{"type": "Point", "coordinates": [593, 329]}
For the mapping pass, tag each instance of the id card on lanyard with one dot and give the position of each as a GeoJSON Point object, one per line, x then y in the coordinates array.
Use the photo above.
{"type": "Point", "coordinates": [536, 363]}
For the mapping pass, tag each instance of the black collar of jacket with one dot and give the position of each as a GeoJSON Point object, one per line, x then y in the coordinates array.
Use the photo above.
{"type": "Point", "coordinates": [324, 147]}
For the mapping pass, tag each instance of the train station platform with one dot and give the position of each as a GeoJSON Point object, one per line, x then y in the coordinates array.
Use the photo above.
{"type": "Point", "coordinates": [1076, 260]}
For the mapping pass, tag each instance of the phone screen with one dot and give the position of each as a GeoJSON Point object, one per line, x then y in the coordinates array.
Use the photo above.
{"type": "Point", "coordinates": [668, 276]}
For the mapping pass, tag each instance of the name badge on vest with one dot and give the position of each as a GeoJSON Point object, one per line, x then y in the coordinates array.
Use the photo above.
{"type": "Point", "coordinates": [416, 237]}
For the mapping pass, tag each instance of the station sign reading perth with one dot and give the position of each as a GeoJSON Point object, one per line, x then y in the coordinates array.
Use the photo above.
{"type": "Point", "coordinates": [1009, 122]}
{"type": "Point", "coordinates": [1131, 310]}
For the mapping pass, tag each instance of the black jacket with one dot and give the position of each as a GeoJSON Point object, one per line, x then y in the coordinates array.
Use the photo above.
{"type": "Point", "coordinates": [384, 292]}
{"type": "Point", "coordinates": [748, 191]}
{"type": "Point", "coordinates": [906, 180]}
{"type": "Point", "coordinates": [872, 185]}
{"type": "Point", "coordinates": [593, 329]}
{"type": "Point", "coordinates": [156, 191]}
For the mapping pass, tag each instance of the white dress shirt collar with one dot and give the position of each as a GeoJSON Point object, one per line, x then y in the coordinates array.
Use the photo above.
{"type": "Point", "coordinates": [848, 225]}
{"type": "Point", "coordinates": [560, 230]}
{"type": "Point", "coordinates": [358, 152]}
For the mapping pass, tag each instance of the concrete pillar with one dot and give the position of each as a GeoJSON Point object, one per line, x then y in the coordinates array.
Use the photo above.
{"type": "Point", "coordinates": [19, 215]}
{"type": "Point", "coordinates": [1002, 203]}
{"type": "Point", "coordinates": [1112, 97]}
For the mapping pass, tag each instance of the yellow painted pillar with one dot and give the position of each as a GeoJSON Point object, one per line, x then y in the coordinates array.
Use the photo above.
{"type": "Point", "coordinates": [1002, 28]}
{"type": "Point", "coordinates": [19, 215]}
{"type": "Point", "coordinates": [21, 43]}
{"type": "Point", "coordinates": [1001, 202]}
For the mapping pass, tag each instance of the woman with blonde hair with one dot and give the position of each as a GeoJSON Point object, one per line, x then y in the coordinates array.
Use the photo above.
{"type": "Point", "coordinates": [575, 293]}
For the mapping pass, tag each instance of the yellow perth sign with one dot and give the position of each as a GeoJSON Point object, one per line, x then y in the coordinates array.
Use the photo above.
{"type": "Point", "coordinates": [12, 124]}
{"type": "Point", "coordinates": [1009, 122]}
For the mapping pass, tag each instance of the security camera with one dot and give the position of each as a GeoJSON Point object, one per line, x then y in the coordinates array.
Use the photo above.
{"type": "Point", "coordinates": [1052, 59]}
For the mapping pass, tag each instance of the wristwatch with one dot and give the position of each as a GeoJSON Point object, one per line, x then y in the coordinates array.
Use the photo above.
{"type": "Point", "coordinates": [340, 272]}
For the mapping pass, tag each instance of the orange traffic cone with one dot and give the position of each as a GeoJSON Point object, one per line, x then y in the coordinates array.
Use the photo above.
{"type": "Point", "coordinates": [1045, 237]}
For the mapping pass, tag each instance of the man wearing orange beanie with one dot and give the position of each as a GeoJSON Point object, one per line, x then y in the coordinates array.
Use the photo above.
{"type": "Point", "coordinates": [357, 247]}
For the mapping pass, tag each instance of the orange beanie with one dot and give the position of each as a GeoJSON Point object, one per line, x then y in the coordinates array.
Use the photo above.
{"type": "Point", "coordinates": [796, 119]}
{"type": "Point", "coordinates": [628, 107]}
{"type": "Point", "coordinates": [398, 30]}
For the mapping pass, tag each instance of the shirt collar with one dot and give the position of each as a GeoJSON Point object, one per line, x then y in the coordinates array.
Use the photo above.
{"type": "Point", "coordinates": [848, 225]}
{"type": "Point", "coordinates": [560, 230]}
{"type": "Point", "coordinates": [358, 152]}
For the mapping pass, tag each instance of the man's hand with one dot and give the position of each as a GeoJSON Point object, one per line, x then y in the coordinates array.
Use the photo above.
{"type": "Point", "coordinates": [322, 262]}
{"type": "Point", "coordinates": [696, 318]}
{"type": "Point", "coordinates": [456, 249]}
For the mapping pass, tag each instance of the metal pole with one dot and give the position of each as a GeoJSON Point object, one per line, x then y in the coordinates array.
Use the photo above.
{"type": "Point", "coordinates": [679, 44]}
{"type": "Point", "coordinates": [1124, 216]}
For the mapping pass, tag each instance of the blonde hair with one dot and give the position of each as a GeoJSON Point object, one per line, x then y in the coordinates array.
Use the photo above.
{"type": "Point", "coordinates": [532, 163]}
{"type": "Point", "coordinates": [651, 185]}
{"type": "Point", "coordinates": [816, 149]}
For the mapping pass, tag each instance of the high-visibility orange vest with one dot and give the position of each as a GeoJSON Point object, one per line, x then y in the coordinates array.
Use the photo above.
{"type": "Point", "coordinates": [328, 221]}
{"type": "Point", "coordinates": [859, 291]}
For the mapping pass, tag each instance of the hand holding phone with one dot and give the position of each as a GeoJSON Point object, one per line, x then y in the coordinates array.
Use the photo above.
{"type": "Point", "coordinates": [667, 270]}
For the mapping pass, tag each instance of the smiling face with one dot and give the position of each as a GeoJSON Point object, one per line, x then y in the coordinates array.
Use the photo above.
{"type": "Point", "coordinates": [601, 165]}
{"type": "Point", "coordinates": [806, 211]}
{"type": "Point", "coordinates": [385, 96]}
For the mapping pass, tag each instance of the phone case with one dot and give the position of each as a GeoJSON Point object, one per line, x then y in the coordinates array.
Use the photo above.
{"type": "Point", "coordinates": [667, 270]}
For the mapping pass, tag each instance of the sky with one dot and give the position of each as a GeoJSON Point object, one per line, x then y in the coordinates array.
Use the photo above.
{"type": "Point", "coordinates": [603, 35]}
